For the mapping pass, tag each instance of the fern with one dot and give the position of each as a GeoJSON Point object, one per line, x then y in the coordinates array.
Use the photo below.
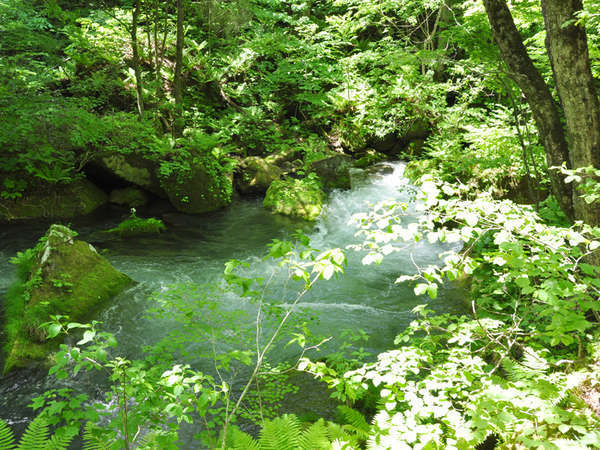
{"type": "Point", "coordinates": [35, 436]}
{"type": "Point", "coordinates": [356, 421]}
{"type": "Point", "coordinates": [7, 438]}
{"type": "Point", "coordinates": [238, 440]}
{"type": "Point", "coordinates": [281, 434]}
{"type": "Point", "coordinates": [92, 439]}
{"type": "Point", "coordinates": [315, 436]}
{"type": "Point", "coordinates": [286, 433]}
{"type": "Point", "coordinates": [59, 442]}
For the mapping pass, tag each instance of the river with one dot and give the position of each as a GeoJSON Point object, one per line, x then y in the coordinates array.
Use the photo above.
{"type": "Point", "coordinates": [194, 250]}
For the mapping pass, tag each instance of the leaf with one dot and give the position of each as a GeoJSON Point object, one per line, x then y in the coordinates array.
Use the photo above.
{"type": "Point", "coordinates": [88, 336]}
{"type": "Point", "coordinates": [54, 330]}
{"type": "Point", "coordinates": [432, 290]}
{"type": "Point", "coordinates": [421, 288]}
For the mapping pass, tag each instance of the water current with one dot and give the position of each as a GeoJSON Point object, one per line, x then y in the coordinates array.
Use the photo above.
{"type": "Point", "coordinates": [194, 249]}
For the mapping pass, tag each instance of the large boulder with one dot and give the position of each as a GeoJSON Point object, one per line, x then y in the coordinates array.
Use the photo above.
{"type": "Point", "coordinates": [59, 276]}
{"type": "Point", "coordinates": [54, 201]}
{"type": "Point", "coordinates": [302, 199]}
{"type": "Point", "coordinates": [254, 175]}
{"type": "Point", "coordinates": [203, 187]}
{"type": "Point", "coordinates": [334, 171]}
{"type": "Point", "coordinates": [134, 169]}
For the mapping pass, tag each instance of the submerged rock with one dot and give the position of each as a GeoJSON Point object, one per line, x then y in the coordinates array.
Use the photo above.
{"type": "Point", "coordinates": [54, 201]}
{"type": "Point", "coordinates": [303, 199]}
{"type": "Point", "coordinates": [59, 276]}
{"type": "Point", "coordinates": [255, 175]}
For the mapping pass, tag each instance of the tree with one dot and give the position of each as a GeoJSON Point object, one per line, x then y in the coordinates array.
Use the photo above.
{"type": "Point", "coordinates": [177, 78]}
{"type": "Point", "coordinates": [566, 43]}
{"type": "Point", "coordinates": [135, 14]}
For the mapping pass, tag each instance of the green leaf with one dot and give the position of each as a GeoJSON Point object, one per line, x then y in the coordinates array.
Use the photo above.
{"type": "Point", "coordinates": [54, 330]}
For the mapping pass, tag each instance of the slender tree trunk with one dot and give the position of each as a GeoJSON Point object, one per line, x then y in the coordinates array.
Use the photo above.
{"type": "Point", "coordinates": [537, 93]}
{"type": "Point", "coordinates": [177, 81]}
{"type": "Point", "coordinates": [568, 49]}
{"type": "Point", "coordinates": [136, 59]}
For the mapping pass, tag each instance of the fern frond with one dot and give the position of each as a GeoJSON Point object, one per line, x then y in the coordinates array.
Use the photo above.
{"type": "Point", "coordinates": [7, 438]}
{"type": "Point", "coordinates": [92, 439]}
{"type": "Point", "coordinates": [282, 433]}
{"type": "Point", "coordinates": [59, 441]}
{"type": "Point", "coordinates": [238, 440]}
{"type": "Point", "coordinates": [337, 433]}
{"type": "Point", "coordinates": [315, 437]}
{"type": "Point", "coordinates": [356, 421]}
{"type": "Point", "coordinates": [35, 436]}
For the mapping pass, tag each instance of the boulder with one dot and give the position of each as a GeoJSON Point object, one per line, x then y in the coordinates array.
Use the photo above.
{"type": "Point", "coordinates": [54, 201]}
{"type": "Point", "coordinates": [59, 276]}
{"type": "Point", "coordinates": [368, 158]}
{"type": "Point", "coordinates": [129, 196]}
{"type": "Point", "coordinates": [203, 188]}
{"type": "Point", "coordinates": [129, 169]}
{"type": "Point", "coordinates": [302, 199]}
{"type": "Point", "coordinates": [254, 175]}
{"type": "Point", "coordinates": [288, 160]}
{"type": "Point", "coordinates": [333, 171]}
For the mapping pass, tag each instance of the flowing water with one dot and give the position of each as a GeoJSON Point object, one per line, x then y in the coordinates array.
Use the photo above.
{"type": "Point", "coordinates": [194, 249]}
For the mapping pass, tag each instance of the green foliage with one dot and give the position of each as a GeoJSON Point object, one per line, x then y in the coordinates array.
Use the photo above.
{"type": "Point", "coordinates": [287, 432]}
{"type": "Point", "coordinates": [36, 436]}
{"type": "Point", "coordinates": [516, 367]}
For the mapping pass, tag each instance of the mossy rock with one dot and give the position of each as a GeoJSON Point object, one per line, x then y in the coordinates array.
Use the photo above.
{"type": "Point", "coordinates": [131, 168]}
{"type": "Point", "coordinates": [303, 199]}
{"type": "Point", "coordinates": [129, 196]}
{"type": "Point", "coordinates": [417, 168]}
{"type": "Point", "coordinates": [54, 202]}
{"type": "Point", "coordinates": [254, 175]}
{"type": "Point", "coordinates": [135, 226]}
{"type": "Point", "coordinates": [203, 188]}
{"type": "Point", "coordinates": [368, 158]}
{"type": "Point", "coordinates": [334, 171]}
{"type": "Point", "coordinates": [60, 276]}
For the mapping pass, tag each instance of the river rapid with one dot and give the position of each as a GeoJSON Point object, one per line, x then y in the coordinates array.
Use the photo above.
{"type": "Point", "coordinates": [194, 250]}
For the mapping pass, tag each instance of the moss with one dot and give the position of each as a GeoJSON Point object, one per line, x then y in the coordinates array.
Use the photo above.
{"type": "Point", "coordinates": [255, 175]}
{"type": "Point", "coordinates": [198, 184]}
{"type": "Point", "coordinates": [303, 199]}
{"type": "Point", "coordinates": [54, 201]}
{"type": "Point", "coordinates": [60, 276]}
{"type": "Point", "coordinates": [136, 225]}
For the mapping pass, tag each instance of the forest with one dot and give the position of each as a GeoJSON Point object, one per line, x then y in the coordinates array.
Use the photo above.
{"type": "Point", "coordinates": [299, 224]}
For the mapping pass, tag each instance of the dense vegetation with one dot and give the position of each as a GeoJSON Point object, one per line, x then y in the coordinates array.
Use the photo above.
{"type": "Point", "coordinates": [180, 99]}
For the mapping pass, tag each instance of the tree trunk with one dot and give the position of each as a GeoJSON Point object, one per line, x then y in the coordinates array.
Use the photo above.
{"type": "Point", "coordinates": [136, 59]}
{"type": "Point", "coordinates": [177, 81]}
{"type": "Point", "coordinates": [537, 93]}
{"type": "Point", "coordinates": [568, 50]}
